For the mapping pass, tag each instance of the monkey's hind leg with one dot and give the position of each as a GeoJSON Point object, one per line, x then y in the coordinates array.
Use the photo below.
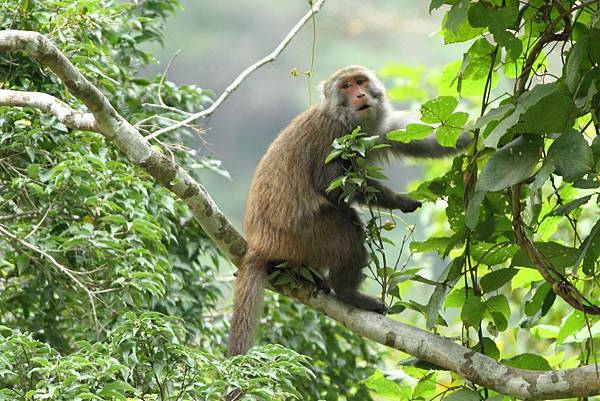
{"type": "Point", "coordinates": [319, 282]}
{"type": "Point", "coordinates": [345, 281]}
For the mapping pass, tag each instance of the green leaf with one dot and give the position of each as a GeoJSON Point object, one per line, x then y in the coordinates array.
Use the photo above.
{"type": "Point", "coordinates": [576, 56]}
{"type": "Point", "coordinates": [336, 183]}
{"type": "Point", "coordinates": [433, 244]}
{"type": "Point", "coordinates": [114, 218]}
{"type": "Point", "coordinates": [535, 304]}
{"type": "Point", "coordinates": [571, 154]}
{"type": "Point", "coordinates": [425, 388]}
{"type": "Point", "coordinates": [557, 109]}
{"type": "Point", "coordinates": [447, 278]}
{"type": "Point", "coordinates": [456, 15]}
{"type": "Point", "coordinates": [511, 164]}
{"type": "Point", "coordinates": [525, 101]}
{"type": "Point", "coordinates": [492, 254]}
{"type": "Point", "coordinates": [560, 256]}
{"type": "Point", "coordinates": [496, 279]}
{"type": "Point", "coordinates": [333, 155]}
{"type": "Point", "coordinates": [438, 110]}
{"type": "Point", "coordinates": [463, 32]}
{"type": "Point", "coordinates": [575, 322]}
{"type": "Point", "coordinates": [435, 4]}
{"type": "Point", "coordinates": [116, 389]}
{"type": "Point", "coordinates": [463, 394]}
{"type": "Point", "coordinates": [456, 298]}
{"type": "Point", "coordinates": [473, 207]}
{"type": "Point", "coordinates": [542, 175]}
{"type": "Point", "coordinates": [498, 20]}
{"type": "Point", "coordinates": [412, 132]}
{"type": "Point", "coordinates": [499, 304]}
{"type": "Point", "coordinates": [448, 133]}
{"type": "Point", "coordinates": [487, 347]}
{"type": "Point", "coordinates": [590, 251]}
{"type": "Point", "coordinates": [569, 207]}
{"type": "Point", "coordinates": [528, 361]}
{"type": "Point", "coordinates": [147, 229]}
{"type": "Point", "coordinates": [472, 311]}
{"type": "Point", "coordinates": [384, 387]}
{"type": "Point", "coordinates": [494, 115]}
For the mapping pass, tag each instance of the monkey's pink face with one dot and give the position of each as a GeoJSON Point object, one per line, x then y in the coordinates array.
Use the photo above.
{"type": "Point", "coordinates": [355, 90]}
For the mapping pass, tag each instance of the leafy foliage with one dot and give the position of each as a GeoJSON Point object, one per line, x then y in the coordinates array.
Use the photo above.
{"type": "Point", "coordinates": [144, 357]}
{"type": "Point", "coordinates": [522, 205]}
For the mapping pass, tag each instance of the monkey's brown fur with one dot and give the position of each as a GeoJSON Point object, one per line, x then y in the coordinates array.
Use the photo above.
{"type": "Point", "coordinates": [289, 215]}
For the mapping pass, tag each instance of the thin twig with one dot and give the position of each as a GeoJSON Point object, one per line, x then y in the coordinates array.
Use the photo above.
{"type": "Point", "coordinates": [166, 108]}
{"type": "Point", "coordinates": [237, 82]}
{"type": "Point", "coordinates": [38, 225]}
{"type": "Point", "coordinates": [164, 75]}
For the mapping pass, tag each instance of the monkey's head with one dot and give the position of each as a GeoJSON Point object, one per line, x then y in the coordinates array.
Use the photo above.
{"type": "Point", "coordinates": [355, 96]}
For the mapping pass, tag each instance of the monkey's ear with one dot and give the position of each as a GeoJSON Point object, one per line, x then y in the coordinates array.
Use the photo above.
{"type": "Point", "coordinates": [322, 87]}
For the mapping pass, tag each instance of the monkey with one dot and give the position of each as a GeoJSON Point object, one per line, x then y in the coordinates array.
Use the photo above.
{"type": "Point", "coordinates": [291, 217]}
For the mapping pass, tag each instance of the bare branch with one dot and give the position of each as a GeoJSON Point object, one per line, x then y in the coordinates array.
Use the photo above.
{"type": "Point", "coordinates": [237, 82]}
{"type": "Point", "coordinates": [164, 75]}
{"type": "Point", "coordinates": [473, 366]}
{"type": "Point", "coordinates": [49, 104]}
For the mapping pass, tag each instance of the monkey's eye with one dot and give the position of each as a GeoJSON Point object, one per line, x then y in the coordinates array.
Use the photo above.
{"type": "Point", "coordinates": [346, 85]}
{"type": "Point", "coordinates": [360, 81]}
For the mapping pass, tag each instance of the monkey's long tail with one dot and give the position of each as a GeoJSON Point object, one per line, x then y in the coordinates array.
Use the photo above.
{"type": "Point", "coordinates": [247, 305]}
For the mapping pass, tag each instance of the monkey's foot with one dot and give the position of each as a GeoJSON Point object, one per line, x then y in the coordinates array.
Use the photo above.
{"type": "Point", "coordinates": [320, 283]}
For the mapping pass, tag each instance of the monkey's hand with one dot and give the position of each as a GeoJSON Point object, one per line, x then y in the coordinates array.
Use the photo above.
{"type": "Point", "coordinates": [405, 204]}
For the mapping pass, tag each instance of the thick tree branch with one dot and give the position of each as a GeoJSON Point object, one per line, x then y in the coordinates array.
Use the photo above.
{"type": "Point", "coordinates": [269, 58]}
{"type": "Point", "coordinates": [473, 366]}
{"type": "Point", "coordinates": [441, 351]}
{"type": "Point", "coordinates": [49, 104]}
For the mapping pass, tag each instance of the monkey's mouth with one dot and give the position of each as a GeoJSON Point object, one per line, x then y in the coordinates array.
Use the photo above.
{"type": "Point", "coordinates": [363, 107]}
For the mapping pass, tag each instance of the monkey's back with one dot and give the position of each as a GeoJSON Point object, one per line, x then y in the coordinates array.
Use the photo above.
{"type": "Point", "coordinates": [286, 217]}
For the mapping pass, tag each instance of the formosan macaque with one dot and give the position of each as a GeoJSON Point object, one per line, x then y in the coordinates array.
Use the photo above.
{"type": "Point", "coordinates": [290, 217]}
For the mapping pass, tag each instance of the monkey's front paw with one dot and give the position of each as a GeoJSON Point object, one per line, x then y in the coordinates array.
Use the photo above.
{"type": "Point", "coordinates": [409, 206]}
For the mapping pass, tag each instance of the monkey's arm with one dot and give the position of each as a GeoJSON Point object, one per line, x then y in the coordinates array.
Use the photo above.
{"type": "Point", "coordinates": [322, 175]}
{"type": "Point", "coordinates": [388, 198]}
{"type": "Point", "coordinates": [428, 147]}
